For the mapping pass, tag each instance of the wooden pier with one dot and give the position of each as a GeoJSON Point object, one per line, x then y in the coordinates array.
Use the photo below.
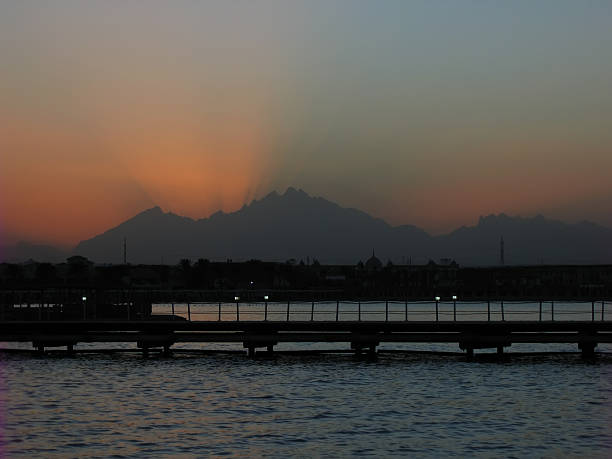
{"type": "Point", "coordinates": [161, 335]}
{"type": "Point", "coordinates": [65, 318]}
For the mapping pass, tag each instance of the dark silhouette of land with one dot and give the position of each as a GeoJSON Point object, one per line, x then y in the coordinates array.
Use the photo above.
{"type": "Point", "coordinates": [253, 279]}
{"type": "Point", "coordinates": [24, 251]}
{"type": "Point", "coordinates": [297, 226]}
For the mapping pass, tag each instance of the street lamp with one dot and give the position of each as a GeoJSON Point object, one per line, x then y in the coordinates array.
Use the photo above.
{"type": "Point", "coordinates": [437, 301]}
{"type": "Point", "coordinates": [237, 299]}
{"type": "Point", "coordinates": [266, 297]}
{"type": "Point", "coordinates": [455, 307]}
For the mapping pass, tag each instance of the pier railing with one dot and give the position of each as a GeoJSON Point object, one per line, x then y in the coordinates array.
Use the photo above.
{"type": "Point", "coordinates": [437, 310]}
{"type": "Point", "coordinates": [387, 311]}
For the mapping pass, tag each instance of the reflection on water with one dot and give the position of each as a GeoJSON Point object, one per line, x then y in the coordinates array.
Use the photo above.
{"type": "Point", "coordinates": [402, 405]}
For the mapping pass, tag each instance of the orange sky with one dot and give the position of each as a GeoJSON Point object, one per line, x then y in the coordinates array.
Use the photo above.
{"type": "Point", "coordinates": [417, 112]}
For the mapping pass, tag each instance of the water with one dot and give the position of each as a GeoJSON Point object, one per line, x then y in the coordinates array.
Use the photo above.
{"type": "Point", "coordinates": [124, 405]}
{"type": "Point", "coordinates": [408, 404]}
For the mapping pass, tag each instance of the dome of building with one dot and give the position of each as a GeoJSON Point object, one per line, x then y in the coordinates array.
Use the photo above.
{"type": "Point", "coordinates": [373, 263]}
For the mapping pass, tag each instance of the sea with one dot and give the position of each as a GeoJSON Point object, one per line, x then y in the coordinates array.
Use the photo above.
{"type": "Point", "coordinates": [421, 400]}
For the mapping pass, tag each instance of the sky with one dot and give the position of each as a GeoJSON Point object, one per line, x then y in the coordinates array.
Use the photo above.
{"type": "Point", "coordinates": [428, 112]}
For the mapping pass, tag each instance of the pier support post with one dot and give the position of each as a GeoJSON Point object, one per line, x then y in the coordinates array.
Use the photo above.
{"type": "Point", "coordinates": [359, 345]}
{"type": "Point", "coordinates": [70, 349]}
{"type": "Point", "coordinates": [167, 351]}
{"type": "Point", "coordinates": [500, 350]}
{"type": "Point", "coordinates": [587, 350]}
{"type": "Point", "coordinates": [253, 341]}
{"type": "Point", "coordinates": [470, 353]}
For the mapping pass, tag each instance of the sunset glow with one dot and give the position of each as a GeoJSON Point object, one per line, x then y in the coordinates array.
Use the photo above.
{"type": "Point", "coordinates": [107, 109]}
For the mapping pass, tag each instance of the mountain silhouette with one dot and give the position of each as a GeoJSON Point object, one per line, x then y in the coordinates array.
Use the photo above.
{"type": "Point", "coordinates": [297, 226]}
{"type": "Point", "coordinates": [277, 227]}
{"type": "Point", "coordinates": [535, 240]}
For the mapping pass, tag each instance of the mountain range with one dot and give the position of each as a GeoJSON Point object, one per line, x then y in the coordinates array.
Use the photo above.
{"type": "Point", "coordinates": [297, 226]}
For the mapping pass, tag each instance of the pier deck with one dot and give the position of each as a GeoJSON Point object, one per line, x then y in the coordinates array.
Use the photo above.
{"type": "Point", "coordinates": [362, 336]}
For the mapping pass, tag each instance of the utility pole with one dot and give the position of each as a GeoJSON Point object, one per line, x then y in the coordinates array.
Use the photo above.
{"type": "Point", "coordinates": [502, 260]}
{"type": "Point", "coordinates": [125, 251]}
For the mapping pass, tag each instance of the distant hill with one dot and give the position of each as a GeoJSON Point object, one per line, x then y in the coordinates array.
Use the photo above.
{"type": "Point", "coordinates": [535, 240]}
{"type": "Point", "coordinates": [296, 225]}
{"type": "Point", "coordinates": [23, 251]}
{"type": "Point", "coordinates": [277, 227]}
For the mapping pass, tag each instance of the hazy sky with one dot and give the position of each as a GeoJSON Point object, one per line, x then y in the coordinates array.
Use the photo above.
{"type": "Point", "coordinates": [423, 112]}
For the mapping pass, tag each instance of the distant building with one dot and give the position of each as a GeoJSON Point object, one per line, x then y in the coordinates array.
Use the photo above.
{"type": "Point", "coordinates": [373, 263]}
{"type": "Point", "coordinates": [77, 260]}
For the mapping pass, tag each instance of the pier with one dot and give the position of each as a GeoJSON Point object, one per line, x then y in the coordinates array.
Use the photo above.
{"type": "Point", "coordinates": [156, 321]}
{"type": "Point", "coordinates": [150, 335]}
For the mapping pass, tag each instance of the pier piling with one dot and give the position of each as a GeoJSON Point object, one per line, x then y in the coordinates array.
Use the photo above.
{"type": "Point", "coordinates": [587, 350]}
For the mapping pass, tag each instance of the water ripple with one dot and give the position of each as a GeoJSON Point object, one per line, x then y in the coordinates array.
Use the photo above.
{"type": "Point", "coordinates": [399, 405]}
